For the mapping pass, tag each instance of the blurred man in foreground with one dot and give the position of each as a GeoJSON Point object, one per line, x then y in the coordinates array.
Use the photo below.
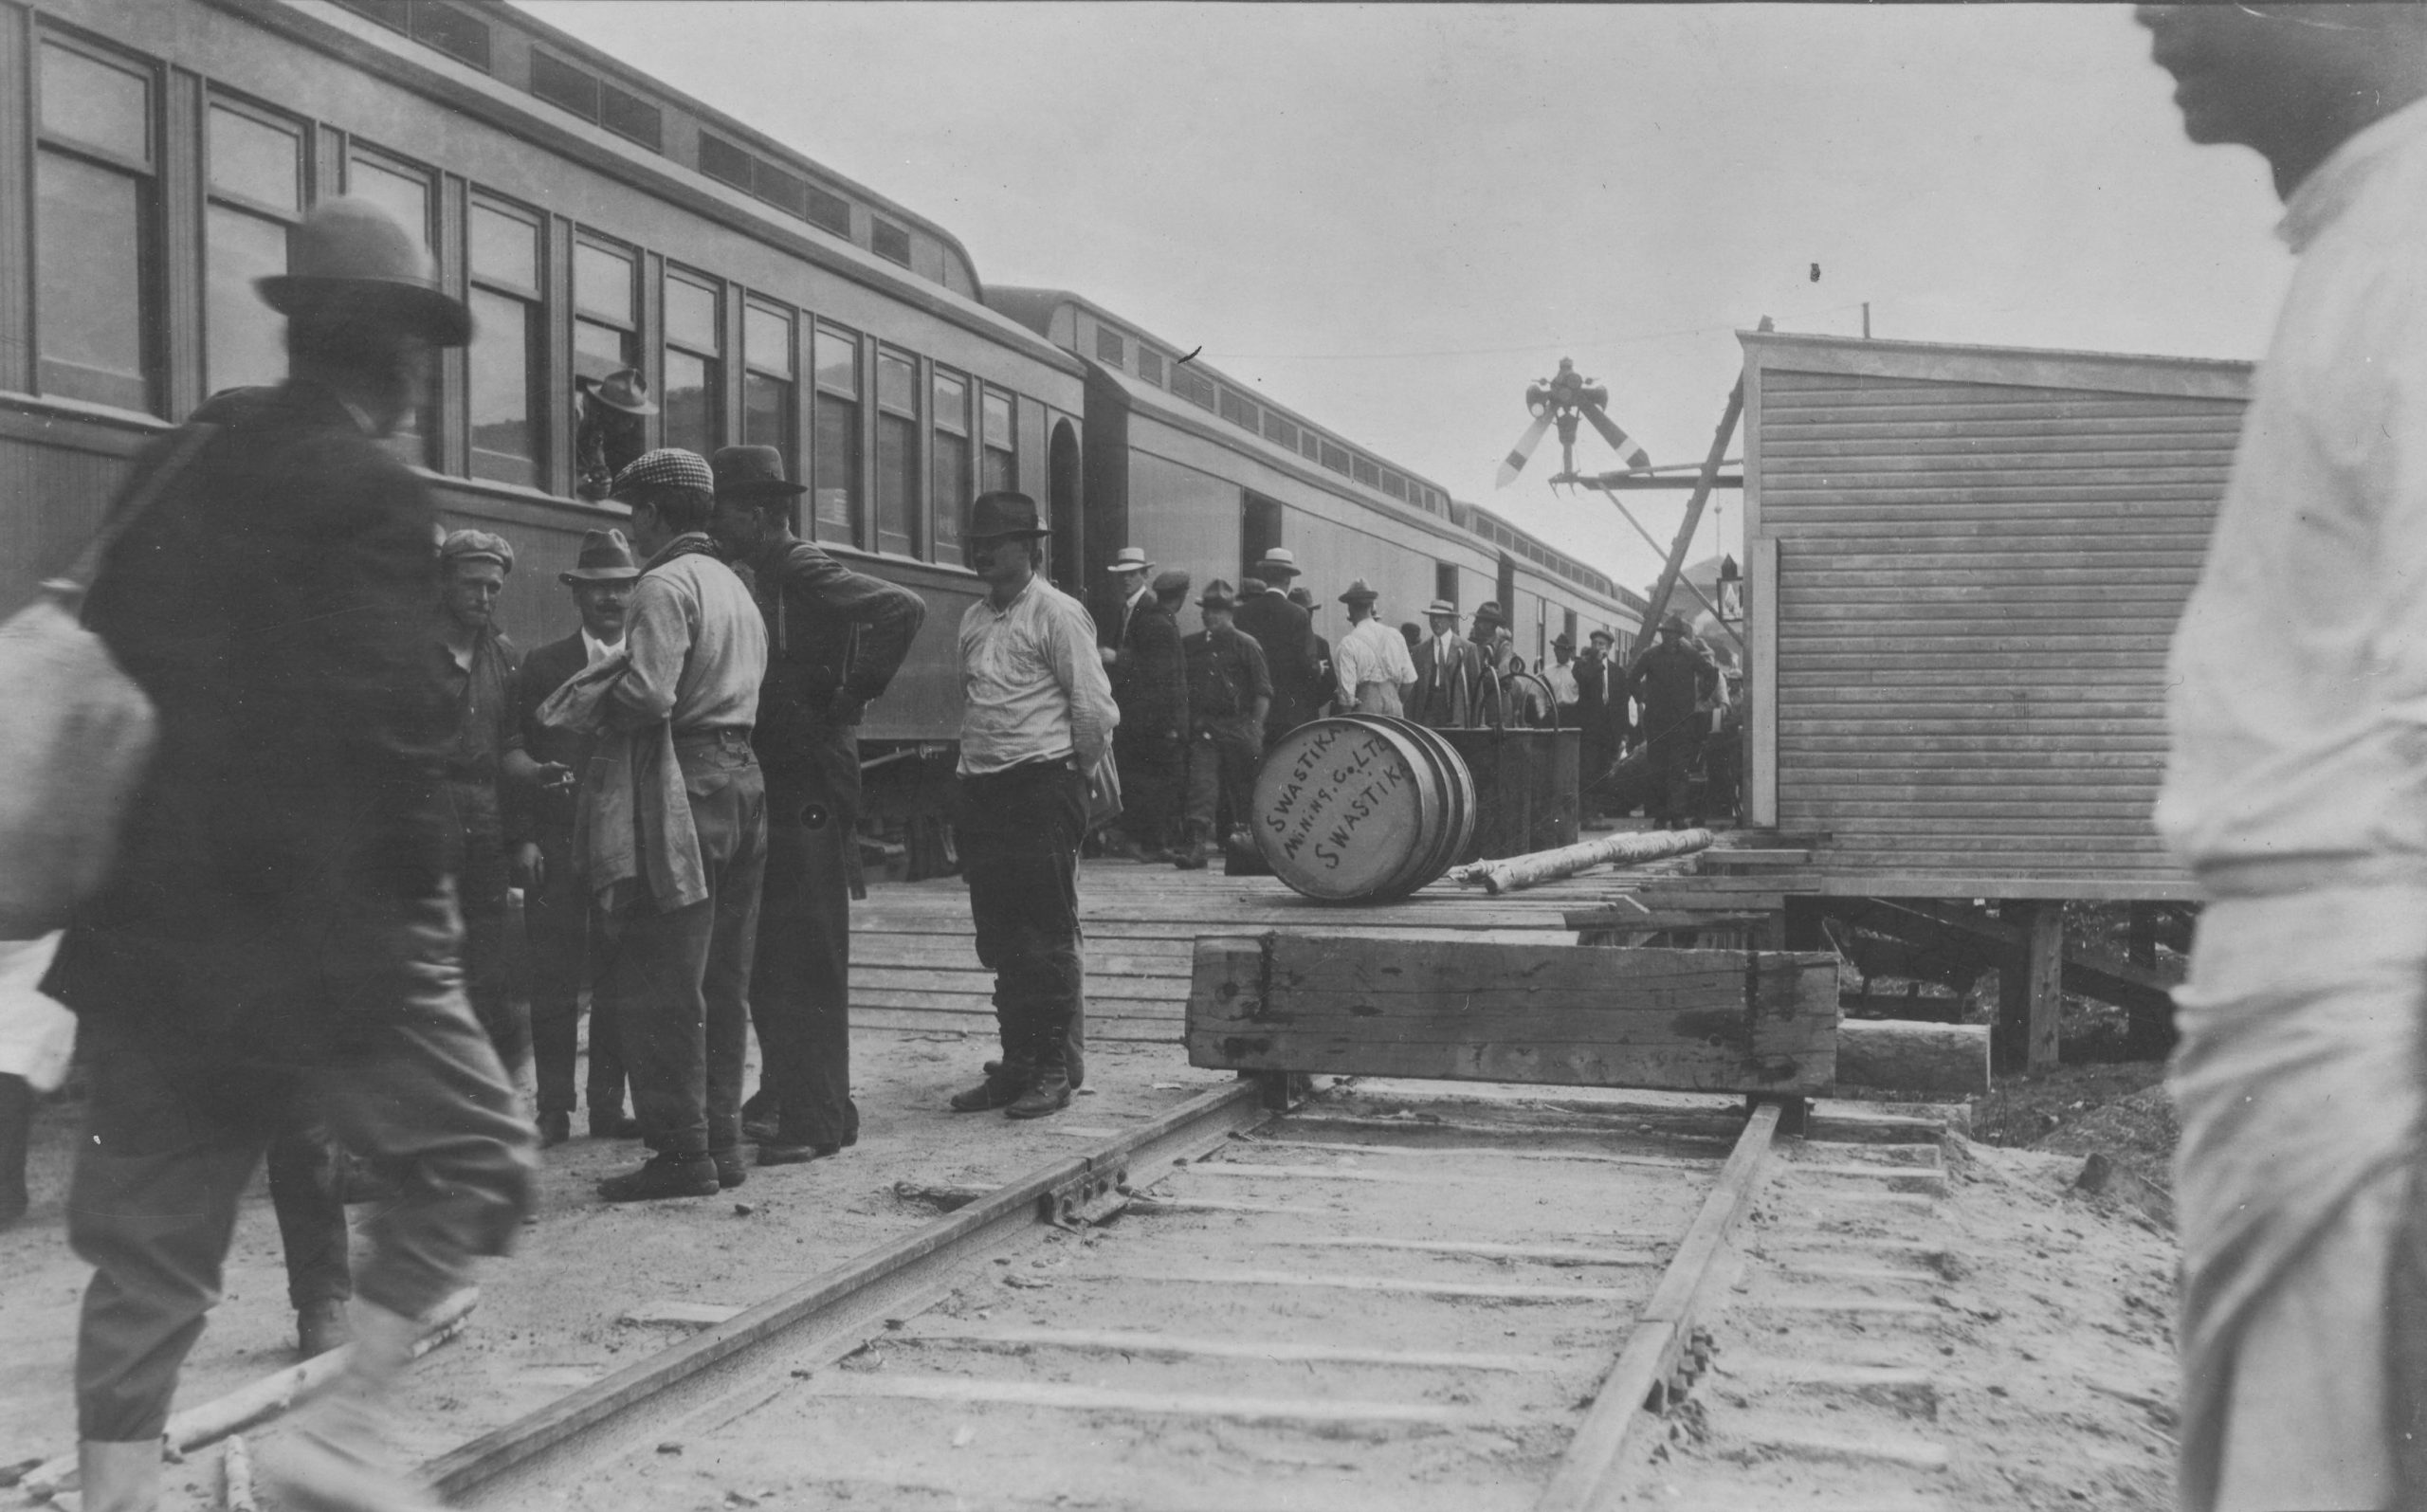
{"type": "Point", "coordinates": [2297, 790]}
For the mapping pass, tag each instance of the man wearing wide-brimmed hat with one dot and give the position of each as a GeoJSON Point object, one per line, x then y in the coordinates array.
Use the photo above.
{"type": "Point", "coordinates": [544, 766]}
{"type": "Point", "coordinates": [1150, 683]}
{"type": "Point", "coordinates": [1601, 710]}
{"type": "Point", "coordinates": [476, 664]}
{"type": "Point", "coordinates": [1037, 722]}
{"type": "Point", "coordinates": [278, 931]}
{"type": "Point", "coordinates": [1126, 578]}
{"type": "Point", "coordinates": [835, 640]}
{"type": "Point", "coordinates": [1449, 672]}
{"type": "Point", "coordinates": [1229, 697]}
{"type": "Point", "coordinates": [1374, 672]}
{"type": "Point", "coordinates": [611, 430]}
{"type": "Point", "coordinates": [1287, 633]}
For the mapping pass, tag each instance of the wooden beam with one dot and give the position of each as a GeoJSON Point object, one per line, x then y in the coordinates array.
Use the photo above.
{"type": "Point", "coordinates": [1714, 1021]}
{"type": "Point", "coordinates": [1904, 1057]}
{"type": "Point", "coordinates": [2031, 993]}
{"type": "Point", "coordinates": [1658, 603]}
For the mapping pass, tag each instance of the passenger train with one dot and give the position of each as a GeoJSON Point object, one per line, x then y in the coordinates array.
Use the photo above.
{"type": "Point", "coordinates": [596, 219]}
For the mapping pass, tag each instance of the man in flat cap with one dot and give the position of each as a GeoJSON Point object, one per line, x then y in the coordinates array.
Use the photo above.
{"type": "Point", "coordinates": [544, 765]}
{"type": "Point", "coordinates": [1037, 718]}
{"type": "Point", "coordinates": [1150, 683]}
{"type": "Point", "coordinates": [1287, 635]}
{"type": "Point", "coordinates": [678, 877]}
{"type": "Point", "coordinates": [476, 666]}
{"type": "Point", "coordinates": [1229, 698]}
{"type": "Point", "coordinates": [1375, 673]}
{"type": "Point", "coordinates": [1672, 681]}
{"type": "Point", "coordinates": [835, 640]}
{"type": "Point", "coordinates": [279, 930]}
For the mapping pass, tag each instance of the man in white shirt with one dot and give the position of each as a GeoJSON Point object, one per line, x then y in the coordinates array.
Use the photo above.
{"type": "Point", "coordinates": [1371, 660]}
{"type": "Point", "coordinates": [1036, 722]}
{"type": "Point", "coordinates": [2297, 791]}
{"type": "Point", "coordinates": [1562, 677]}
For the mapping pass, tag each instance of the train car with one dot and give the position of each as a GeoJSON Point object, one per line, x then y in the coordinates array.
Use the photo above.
{"type": "Point", "coordinates": [1184, 461]}
{"type": "Point", "coordinates": [593, 219]}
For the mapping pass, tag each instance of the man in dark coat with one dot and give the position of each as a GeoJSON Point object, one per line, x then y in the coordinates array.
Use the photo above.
{"type": "Point", "coordinates": [835, 640]}
{"type": "Point", "coordinates": [1150, 683]}
{"type": "Point", "coordinates": [1672, 681]}
{"type": "Point", "coordinates": [1286, 635]}
{"type": "Point", "coordinates": [1325, 679]}
{"type": "Point", "coordinates": [545, 766]}
{"type": "Point", "coordinates": [476, 664]}
{"type": "Point", "coordinates": [279, 930]}
{"type": "Point", "coordinates": [1229, 700]}
{"type": "Point", "coordinates": [1449, 672]}
{"type": "Point", "coordinates": [1600, 709]}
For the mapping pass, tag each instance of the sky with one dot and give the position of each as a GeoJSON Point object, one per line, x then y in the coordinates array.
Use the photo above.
{"type": "Point", "coordinates": [1393, 218]}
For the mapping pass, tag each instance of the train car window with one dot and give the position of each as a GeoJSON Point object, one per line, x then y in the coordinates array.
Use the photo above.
{"type": "Point", "coordinates": [452, 31]}
{"type": "Point", "coordinates": [560, 84]}
{"type": "Point", "coordinates": [835, 448]}
{"type": "Point", "coordinates": [605, 334]}
{"type": "Point", "coordinates": [694, 372]}
{"type": "Point", "coordinates": [254, 166]}
{"type": "Point", "coordinates": [1366, 472]}
{"type": "Point", "coordinates": [1309, 445]}
{"type": "Point", "coordinates": [952, 491]}
{"type": "Point", "coordinates": [403, 192]}
{"type": "Point", "coordinates": [1280, 432]}
{"type": "Point", "coordinates": [897, 453]}
{"type": "Point", "coordinates": [1193, 387]}
{"type": "Point", "coordinates": [890, 240]}
{"type": "Point", "coordinates": [1150, 365]}
{"type": "Point", "coordinates": [768, 365]}
{"type": "Point", "coordinates": [1239, 411]}
{"type": "Point", "coordinates": [1000, 466]}
{"type": "Point", "coordinates": [94, 193]}
{"type": "Point", "coordinates": [509, 333]}
{"type": "Point", "coordinates": [1394, 484]}
{"type": "Point", "coordinates": [1111, 347]}
{"type": "Point", "coordinates": [830, 212]}
{"type": "Point", "coordinates": [398, 15]}
{"type": "Point", "coordinates": [1335, 458]}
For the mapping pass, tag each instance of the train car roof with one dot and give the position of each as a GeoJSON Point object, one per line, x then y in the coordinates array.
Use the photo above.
{"type": "Point", "coordinates": [1617, 593]}
{"type": "Point", "coordinates": [346, 33]}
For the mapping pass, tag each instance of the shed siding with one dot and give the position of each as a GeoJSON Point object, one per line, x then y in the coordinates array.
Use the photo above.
{"type": "Point", "coordinates": [1977, 584]}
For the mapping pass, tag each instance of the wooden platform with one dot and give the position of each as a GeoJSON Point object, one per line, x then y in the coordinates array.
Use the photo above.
{"type": "Point", "coordinates": [914, 960]}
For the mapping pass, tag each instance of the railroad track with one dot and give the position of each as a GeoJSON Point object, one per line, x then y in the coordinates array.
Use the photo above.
{"type": "Point", "coordinates": [1361, 1302]}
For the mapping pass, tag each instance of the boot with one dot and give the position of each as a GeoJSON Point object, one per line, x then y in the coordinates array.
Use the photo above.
{"type": "Point", "coordinates": [16, 1129]}
{"type": "Point", "coordinates": [762, 1116]}
{"type": "Point", "coordinates": [1048, 1093]}
{"type": "Point", "coordinates": [555, 1129]}
{"type": "Point", "coordinates": [731, 1171]}
{"type": "Point", "coordinates": [333, 1460]}
{"type": "Point", "coordinates": [1005, 1081]}
{"type": "Point", "coordinates": [1191, 856]}
{"type": "Point", "coordinates": [123, 1477]}
{"type": "Point", "coordinates": [320, 1327]}
{"type": "Point", "coordinates": [664, 1175]}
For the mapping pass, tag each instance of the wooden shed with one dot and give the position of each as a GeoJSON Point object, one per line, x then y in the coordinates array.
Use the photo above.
{"type": "Point", "coordinates": [1966, 567]}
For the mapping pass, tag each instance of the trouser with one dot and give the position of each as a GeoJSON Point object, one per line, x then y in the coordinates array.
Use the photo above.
{"type": "Point", "coordinates": [2299, 1084]}
{"type": "Point", "coordinates": [177, 1119]}
{"type": "Point", "coordinates": [800, 985]}
{"type": "Point", "coordinates": [480, 889]}
{"type": "Point", "coordinates": [1221, 769]}
{"type": "Point", "coordinates": [679, 980]}
{"type": "Point", "coordinates": [307, 1193]}
{"type": "Point", "coordinates": [1673, 766]}
{"type": "Point", "coordinates": [1019, 834]}
{"type": "Point", "coordinates": [555, 918]}
{"type": "Point", "coordinates": [1154, 768]}
{"type": "Point", "coordinates": [1595, 751]}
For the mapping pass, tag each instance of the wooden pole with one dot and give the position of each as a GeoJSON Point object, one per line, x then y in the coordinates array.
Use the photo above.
{"type": "Point", "coordinates": [1509, 873]}
{"type": "Point", "coordinates": [2031, 987]}
{"type": "Point", "coordinates": [1683, 582]}
{"type": "Point", "coordinates": [1676, 564]}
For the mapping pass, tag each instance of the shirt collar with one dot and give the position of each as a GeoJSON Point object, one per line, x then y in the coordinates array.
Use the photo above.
{"type": "Point", "coordinates": [2336, 184]}
{"type": "Point", "coordinates": [596, 649]}
{"type": "Point", "coordinates": [1018, 599]}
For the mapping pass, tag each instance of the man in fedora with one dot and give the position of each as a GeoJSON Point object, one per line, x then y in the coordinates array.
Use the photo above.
{"type": "Point", "coordinates": [1229, 697]}
{"type": "Point", "coordinates": [1037, 716]}
{"type": "Point", "coordinates": [1494, 650]}
{"type": "Point", "coordinates": [835, 640]}
{"type": "Point", "coordinates": [1303, 597]}
{"type": "Point", "coordinates": [1127, 575]}
{"type": "Point", "coordinates": [279, 928]}
{"type": "Point", "coordinates": [1449, 672]}
{"type": "Point", "coordinates": [613, 429]}
{"type": "Point", "coordinates": [1600, 710]}
{"type": "Point", "coordinates": [1671, 682]}
{"type": "Point", "coordinates": [546, 765]}
{"type": "Point", "coordinates": [1287, 633]}
{"type": "Point", "coordinates": [1150, 683]}
{"type": "Point", "coordinates": [682, 925]}
{"type": "Point", "coordinates": [1374, 671]}
{"type": "Point", "coordinates": [476, 666]}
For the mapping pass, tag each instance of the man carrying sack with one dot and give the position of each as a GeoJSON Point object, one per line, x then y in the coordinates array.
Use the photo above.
{"type": "Point", "coordinates": [279, 929]}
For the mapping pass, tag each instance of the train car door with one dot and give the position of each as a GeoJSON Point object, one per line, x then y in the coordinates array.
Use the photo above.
{"type": "Point", "coordinates": [1259, 531]}
{"type": "Point", "coordinates": [1061, 504]}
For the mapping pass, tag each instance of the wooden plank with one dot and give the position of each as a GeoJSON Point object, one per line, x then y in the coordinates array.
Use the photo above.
{"type": "Point", "coordinates": [1060, 1397]}
{"type": "Point", "coordinates": [1949, 1059]}
{"type": "Point", "coordinates": [2030, 991]}
{"type": "Point", "coordinates": [1867, 432]}
{"type": "Point", "coordinates": [2177, 447]}
{"type": "Point", "coordinates": [1639, 1378]}
{"type": "Point", "coordinates": [1341, 1281]}
{"type": "Point", "coordinates": [1152, 1345]}
{"type": "Point", "coordinates": [1575, 1016]}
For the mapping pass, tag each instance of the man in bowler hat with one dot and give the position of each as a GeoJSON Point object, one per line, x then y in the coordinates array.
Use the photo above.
{"type": "Point", "coordinates": [1037, 719]}
{"type": "Point", "coordinates": [835, 640]}
{"type": "Point", "coordinates": [279, 929]}
{"type": "Point", "coordinates": [546, 765]}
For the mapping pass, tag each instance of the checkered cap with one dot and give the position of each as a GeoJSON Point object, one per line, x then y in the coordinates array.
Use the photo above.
{"type": "Point", "coordinates": [670, 467]}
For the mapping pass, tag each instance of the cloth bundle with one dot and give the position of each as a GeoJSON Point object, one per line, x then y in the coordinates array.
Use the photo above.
{"type": "Point", "coordinates": [636, 844]}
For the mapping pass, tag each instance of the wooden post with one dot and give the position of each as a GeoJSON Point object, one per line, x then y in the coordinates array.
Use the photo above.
{"type": "Point", "coordinates": [2141, 943]}
{"type": "Point", "coordinates": [2031, 993]}
{"type": "Point", "coordinates": [1658, 604]}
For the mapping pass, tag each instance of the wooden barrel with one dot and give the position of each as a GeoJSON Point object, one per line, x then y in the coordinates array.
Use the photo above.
{"type": "Point", "coordinates": [1359, 806]}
